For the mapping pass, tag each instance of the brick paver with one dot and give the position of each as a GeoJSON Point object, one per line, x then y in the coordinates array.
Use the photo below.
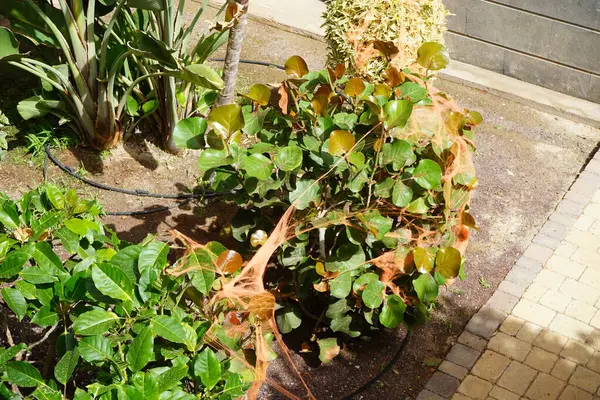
{"type": "Point", "coordinates": [538, 336]}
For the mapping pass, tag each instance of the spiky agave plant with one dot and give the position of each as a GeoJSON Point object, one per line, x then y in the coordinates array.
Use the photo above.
{"type": "Point", "coordinates": [370, 35]}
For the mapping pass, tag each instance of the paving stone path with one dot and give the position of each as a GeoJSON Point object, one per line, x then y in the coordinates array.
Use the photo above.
{"type": "Point", "coordinates": [538, 336]}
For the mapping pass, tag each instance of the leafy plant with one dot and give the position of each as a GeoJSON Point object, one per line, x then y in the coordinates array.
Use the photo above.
{"type": "Point", "coordinates": [119, 321]}
{"type": "Point", "coordinates": [40, 136]}
{"type": "Point", "coordinates": [160, 39]}
{"type": "Point", "coordinates": [380, 176]}
{"type": "Point", "coordinates": [89, 81]}
{"type": "Point", "coordinates": [368, 36]}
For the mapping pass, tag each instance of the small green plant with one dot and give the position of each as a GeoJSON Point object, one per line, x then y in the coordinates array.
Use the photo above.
{"type": "Point", "coordinates": [40, 136]}
{"type": "Point", "coordinates": [484, 283]}
{"type": "Point", "coordinates": [380, 177]}
{"type": "Point", "coordinates": [118, 320]}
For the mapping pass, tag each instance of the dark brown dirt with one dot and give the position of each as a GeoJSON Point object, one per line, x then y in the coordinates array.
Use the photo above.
{"type": "Point", "coordinates": [526, 161]}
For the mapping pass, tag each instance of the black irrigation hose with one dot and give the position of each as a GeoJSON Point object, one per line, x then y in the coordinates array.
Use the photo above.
{"type": "Point", "coordinates": [252, 62]}
{"type": "Point", "coordinates": [186, 197]}
{"type": "Point", "coordinates": [382, 372]}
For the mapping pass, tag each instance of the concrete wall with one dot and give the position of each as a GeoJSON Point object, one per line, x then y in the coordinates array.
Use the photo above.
{"type": "Point", "coordinates": [551, 43]}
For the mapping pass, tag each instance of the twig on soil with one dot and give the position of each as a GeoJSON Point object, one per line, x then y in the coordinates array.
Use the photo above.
{"type": "Point", "coordinates": [43, 339]}
{"type": "Point", "coordinates": [6, 329]}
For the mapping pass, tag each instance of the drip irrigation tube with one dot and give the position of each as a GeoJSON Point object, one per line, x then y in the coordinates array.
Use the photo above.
{"type": "Point", "coordinates": [252, 62]}
{"type": "Point", "coordinates": [382, 372]}
{"type": "Point", "coordinates": [186, 197]}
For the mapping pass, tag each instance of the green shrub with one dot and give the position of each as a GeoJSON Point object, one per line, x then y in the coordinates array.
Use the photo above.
{"type": "Point", "coordinates": [370, 35]}
{"type": "Point", "coordinates": [119, 321]}
{"type": "Point", "coordinates": [380, 176]}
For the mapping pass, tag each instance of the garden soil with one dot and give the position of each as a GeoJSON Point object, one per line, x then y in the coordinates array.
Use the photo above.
{"type": "Point", "coordinates": [526, 161]}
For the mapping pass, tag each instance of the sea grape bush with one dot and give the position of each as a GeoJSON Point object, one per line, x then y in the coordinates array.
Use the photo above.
{"type": "Point", "coordinates": [380, 175]}
{"type": "Point", "coordinates": [119, 321]}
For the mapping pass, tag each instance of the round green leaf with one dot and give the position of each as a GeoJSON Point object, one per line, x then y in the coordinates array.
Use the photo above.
{"type": "Point", "coordinates": [401, 194]}
{"type": "Point", "coordinates": [289, 158]}
{"type": "Point", "coordinates": [288, 319]}
{"type": "Point", "coordinates": [212, 158]}
{"type": "Point", "coordinates": [341, 285]}
{"type": "Point", "coordinates": [328, 349]}
{"type": "Point", "coordinates": [475, 118]}
{"type": "Point", "coordinates": [392, 313]}
{"type": "Point", "coordinates": [343, 325]}
{"type": "Point", "coordinates": [433, 56]}
{"type": "Point", "coordinates": [399, 153]}
{"type": "Point", "coordinates": [417, 206]}
{"type": "Point", "coordinates": [354, 87]}
{"type": "Point", "coordinates": [340, 142]}
{"type": "Point", "coordinates": [296, 66]}
{"type": "Point", "coordinates": [189, 132]}
{"type": "Point", "coordinates": [426, 288]}
{"type": "Point", "coordinates": [226, 120]}
{"type": "Point", "coordinates": [258, 166]}
{"type": "Point", "coordinates": [447, 262]}
{"type": "Point", "coordinates": [363, 280]}
{"type": "Point", "coordinates": [260, 94]}
{"type": "Point", "coordinates": [372, 295]}
{"type": "Point", "coordinates": [423, 259]}
{"type": "Point", "coordinates": [397, 113]}
{"type": "Point", "coordinates": [305, 193]}
{"type": "Point", "coordinates": [413, 91]}
{"type": "Point", "coordinates": [428, 174]}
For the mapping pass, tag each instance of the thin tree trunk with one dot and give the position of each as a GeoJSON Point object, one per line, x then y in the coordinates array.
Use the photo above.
{"type": "Point", "coordinates": [232, 58]}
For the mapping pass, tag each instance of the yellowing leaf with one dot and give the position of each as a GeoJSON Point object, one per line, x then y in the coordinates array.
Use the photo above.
{"type": "Point", "coordinates": [433, 56]}
{"type": "Point", "coordinates": [319, 105]}
{"type": "Point", "coordinates": [354, 87]}
{"type": "Point", "coordinates": [383, 90]}
{"type": "Point", "coordinates": [296, 66]}
{"type": "Point", "coordinates": [260, 94]}
{"type": "Point", "coordinates": [226, 120]}
{"type": "Point", "coordinates": [341, 142]}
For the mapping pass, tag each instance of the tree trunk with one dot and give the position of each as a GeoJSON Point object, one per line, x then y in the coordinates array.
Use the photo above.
{"type": "Point", "coordinates": [232, 58]}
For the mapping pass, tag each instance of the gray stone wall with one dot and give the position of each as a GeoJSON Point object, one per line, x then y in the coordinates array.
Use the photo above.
{"type": "Point", "coordinates": [551, 43]}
